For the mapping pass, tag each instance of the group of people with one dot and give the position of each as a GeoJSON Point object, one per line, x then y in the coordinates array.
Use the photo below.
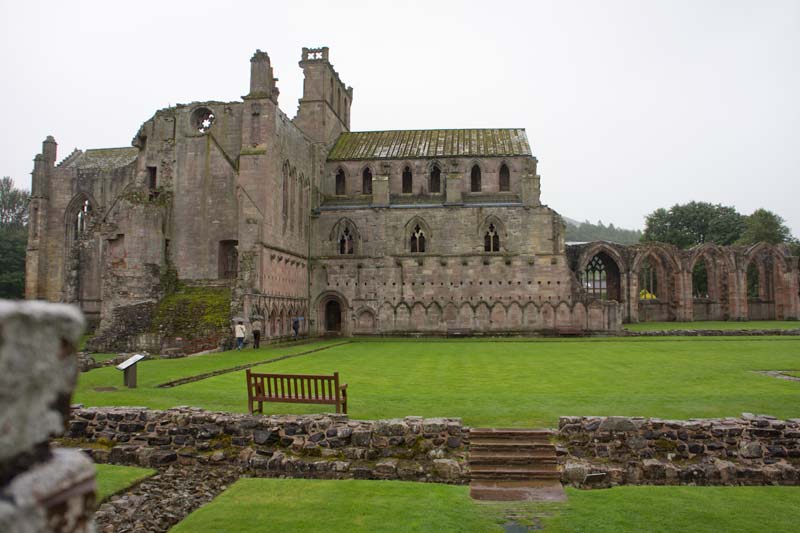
{"type": "Point", "coordinates": [240, 332]}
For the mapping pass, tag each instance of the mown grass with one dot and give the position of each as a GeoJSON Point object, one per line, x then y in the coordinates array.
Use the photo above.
{"type": "Point", "coordinates": [252, 505]}
{"type": "Point", "coordinates": [499, 383]}
{"type": "Point", "coordinates": [113, 478]}
{"type": "Point", "coordinates": [714, 325]}
{"type": "Point", "coordinates": [667, 509]}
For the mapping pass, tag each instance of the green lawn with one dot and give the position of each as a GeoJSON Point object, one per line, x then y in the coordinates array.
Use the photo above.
{"type": "Point", "coordinates": [344, 505]}
{"type": "Point", "coordinates": [252, 505]}
{"type": "Point", "coordinates": [717, 325]}
{"type": "Point", "coordinates": [499, 383]}
{"type": "Point", "coordinates": [112, 478]}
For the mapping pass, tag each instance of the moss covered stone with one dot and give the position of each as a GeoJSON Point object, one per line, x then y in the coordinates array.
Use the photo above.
{"type": "Point", "coordinates": [193, 311]}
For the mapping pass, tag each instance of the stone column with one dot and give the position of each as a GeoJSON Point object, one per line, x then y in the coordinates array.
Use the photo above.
{"type": "Point", "coordinates": [40, 489]}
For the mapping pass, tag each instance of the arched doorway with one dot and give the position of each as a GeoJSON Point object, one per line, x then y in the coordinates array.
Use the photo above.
{"type": "Point", "coordinates": [333, 316]}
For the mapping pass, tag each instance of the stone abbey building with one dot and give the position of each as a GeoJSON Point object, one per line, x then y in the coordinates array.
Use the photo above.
{"type": "Point", "coordinates": [422, 231]}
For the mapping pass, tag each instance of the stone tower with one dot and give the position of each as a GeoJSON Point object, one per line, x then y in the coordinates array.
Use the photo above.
{"type": "Point", "coordinates": [324, 110]}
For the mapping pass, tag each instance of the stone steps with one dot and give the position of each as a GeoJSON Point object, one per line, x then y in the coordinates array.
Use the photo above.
{"type": "Point", "coordinates": [514, 465]}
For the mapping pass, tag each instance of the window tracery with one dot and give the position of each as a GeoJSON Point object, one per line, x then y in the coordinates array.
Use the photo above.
{"type": "Point", "coordinates": [417, 240]}
{"type": "Point", "coordinates": [346, 243]}
{"type": "Point", "coordinates": [491, 241]}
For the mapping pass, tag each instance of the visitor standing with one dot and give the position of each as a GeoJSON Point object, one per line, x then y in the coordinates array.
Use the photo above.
{"type": "Point", "coordinates": [256, 325]}
{"type": "Point", "coordinates": [240, 332]}
{"type": "Point", "coordinates": [295, 326]}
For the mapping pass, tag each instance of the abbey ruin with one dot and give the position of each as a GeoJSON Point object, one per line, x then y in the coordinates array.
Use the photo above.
{"type": "Point", "coordinates": [383, 232]}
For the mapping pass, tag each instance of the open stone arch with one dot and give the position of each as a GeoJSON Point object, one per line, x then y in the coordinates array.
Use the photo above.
{"type": "Point", "coordinates": [345, 238]}
{"type": "Point", "coordinates": [708, 291]}
{"type": "Point", "coordinates": [78, 215]}
{"type": "Point", "coordinates": [417, 236]}
{"type": "Point", "coordinates": [764, 283]}
{"type": "Point", "coordinates": [601, 270]}
{"type": "Point", "coordinates": [655, 283]}
{"type": "Point", "coordinates": [332, 312]}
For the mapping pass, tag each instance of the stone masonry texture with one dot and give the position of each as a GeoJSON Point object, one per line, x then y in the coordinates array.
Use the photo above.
{"type": "Point", "coordinates": [357, 233]}
{"type": "Point", "coordinates": [40, 489]}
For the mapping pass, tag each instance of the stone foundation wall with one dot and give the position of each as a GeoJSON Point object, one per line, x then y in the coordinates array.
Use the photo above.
{"type": "Point", "coordinates": [317, 446]}
{"type": "Point", "coordinates": [751, 450]}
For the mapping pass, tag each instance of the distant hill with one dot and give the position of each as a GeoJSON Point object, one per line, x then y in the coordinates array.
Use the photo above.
{"type": "Point", "coordinates": [586, 231]}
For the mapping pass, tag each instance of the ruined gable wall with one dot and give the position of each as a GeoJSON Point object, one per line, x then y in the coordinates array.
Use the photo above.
{"type": "Point", "coordinates": [204, 205]}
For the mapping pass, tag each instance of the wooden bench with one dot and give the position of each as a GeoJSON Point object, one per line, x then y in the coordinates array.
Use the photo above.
{"type": "Point", "coordinates": [295, 388]}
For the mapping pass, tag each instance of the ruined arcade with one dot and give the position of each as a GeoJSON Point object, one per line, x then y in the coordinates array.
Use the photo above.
{"type": "Point", "coordinates": [418, 231]}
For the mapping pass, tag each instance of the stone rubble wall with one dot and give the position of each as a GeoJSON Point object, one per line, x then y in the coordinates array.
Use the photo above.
{"type": "Point", "coordinates": [751, 450]}
{"type": "Point", "coordinates": [40, 489]}
{"type": "Point", "coordinates": [328, 446]}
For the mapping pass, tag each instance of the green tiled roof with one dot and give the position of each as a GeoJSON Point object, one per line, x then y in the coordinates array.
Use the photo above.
{"type": "Point", "coordinates": [404, 144]}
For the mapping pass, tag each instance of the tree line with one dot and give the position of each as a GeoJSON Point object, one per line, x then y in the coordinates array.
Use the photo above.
{"type": "Point", "coordinates": [13, 238]}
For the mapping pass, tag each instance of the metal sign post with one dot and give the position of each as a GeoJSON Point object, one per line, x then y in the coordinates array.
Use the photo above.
{"type": "Point", "coordinates": [128, 366]}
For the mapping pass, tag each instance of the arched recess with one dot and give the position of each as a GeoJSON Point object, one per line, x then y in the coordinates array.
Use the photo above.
{"type": "Point", "coordinates": [340, 180]}
{"type": "Point", "coordinates": [331, 314]}
{"type": "Point", "coordinates": [285, 195]}
{"type": "Point", "coordinates": [365, 320]}
{"type": "Point", "coordinates": [417, 236]}
{"type": "Point", "coordinates": [601, 277]}
{"type": "Point", "coordinates": [761, 276]}
{"type": "Point", "coordinates": [707, 272]}
{"type": "Point", "coordinates": [504, 178]}
{"type": "Point", "coordinates": [654, 274]}
{"type": "Point", "coordinates": [83, 256]}
{"type": "Point", "coordinates": [345, 238]}
{"type": "Point", "coordinates": [366, 180]}
{"type": "Point", "coordinates": [435, 179]}
{"type": "Point", "coordinates": [492, 234]}
{"type": "Point", "coordinates": [407, 180]}
{"type": "Point", "coordinates": [475, 176]}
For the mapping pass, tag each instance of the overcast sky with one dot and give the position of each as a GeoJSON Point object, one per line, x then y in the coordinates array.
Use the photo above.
{"type": "Point", "coordinates": [629, 105]}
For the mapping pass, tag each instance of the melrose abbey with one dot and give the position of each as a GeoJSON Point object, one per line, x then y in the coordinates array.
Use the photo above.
{"type": "Point", "coordinates": [358, 233]}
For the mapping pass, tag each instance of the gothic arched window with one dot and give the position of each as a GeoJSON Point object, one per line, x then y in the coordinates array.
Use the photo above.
{"type": "Point", "coordinates": [346, 242]}
{"type": "Point", "coordinates": [475, 179]}
{"type": "Point", "coordinates": [417, 240]}
{"type": "Point", "coordinates": [285, 195]}
{"type": "Point", "coordinates": [407, 183]}
{"type": "Point", "coordinates": [505, 180]}
{"type": "Point", "coordinates": [81, 219]}
{"type": "Point", "coordinates": [366, 181]}
{"type": "Point", "coordinates": [601, 278]}
{"type": "Point", "coordinates": [436, 179]}
{"type": "Point", "coordinates": [491, 241]}
{"type": "Point", "coordinates": [340, 182]}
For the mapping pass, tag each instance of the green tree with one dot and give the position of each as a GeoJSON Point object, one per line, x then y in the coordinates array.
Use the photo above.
{"type": "Point", "coordinates": [765, 226]}
{"type": "Point", "coordinates": [694, 223]}
{"type": "Point", "coordinates": [13, 238]}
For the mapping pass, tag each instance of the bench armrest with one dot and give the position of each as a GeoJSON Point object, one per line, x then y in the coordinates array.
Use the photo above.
{"type": "Point", "coordinates": [343, 387]}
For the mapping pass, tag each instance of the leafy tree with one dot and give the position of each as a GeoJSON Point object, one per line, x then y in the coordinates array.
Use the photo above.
{"type": "Point", "coordinates": [13, 204]}
{"type": "Point", "coordinates": [13, 238]}
{"type": "Point", "coordinates": [766, 226]}
{"type": "Point", "coordinates": [694, 223]}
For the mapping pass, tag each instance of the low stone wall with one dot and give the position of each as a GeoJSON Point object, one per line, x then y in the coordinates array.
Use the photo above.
{"type": "Point", "coordinates": [315, 446]}
{"type": "Point", "coordinates": [751, 450]}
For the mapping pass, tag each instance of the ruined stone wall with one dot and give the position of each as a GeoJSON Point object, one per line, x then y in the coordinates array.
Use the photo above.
{"type": "Point", "coordinates": [751, 450]}
{"type": "Point", "coordinates": [40, 489]}
{"type": "Point", "coordinates": [319, 446]}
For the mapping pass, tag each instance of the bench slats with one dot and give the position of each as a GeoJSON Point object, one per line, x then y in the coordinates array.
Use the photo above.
{"type": "Point", "coordinates": [295, 388]}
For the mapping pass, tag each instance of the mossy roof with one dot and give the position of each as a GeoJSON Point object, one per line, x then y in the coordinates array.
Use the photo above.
{"type": "Point", "coordinates": [411, 144]}
{"type": "Point", "coordinates": [105, 158]}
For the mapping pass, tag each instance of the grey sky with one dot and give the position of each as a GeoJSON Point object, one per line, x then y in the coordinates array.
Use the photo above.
{"type": "Point", "coordinates": [629, 106]}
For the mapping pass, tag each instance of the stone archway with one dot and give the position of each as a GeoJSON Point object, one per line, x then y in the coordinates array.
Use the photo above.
{"type": "Point", "coordinates": [333, 316]}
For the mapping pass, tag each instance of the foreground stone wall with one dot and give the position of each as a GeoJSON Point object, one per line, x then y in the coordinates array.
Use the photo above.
{"type": "Point", "coordinates": [40, 489]}
{"type": "Point", "coordinates": [316, 446]}
{"type": "Point", "coordinates": [751, 450]}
